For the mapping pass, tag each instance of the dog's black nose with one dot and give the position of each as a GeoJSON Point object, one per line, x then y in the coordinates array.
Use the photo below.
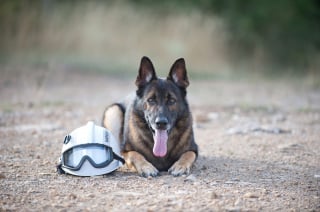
{"type": "Point", "coordinates": [161, 123]}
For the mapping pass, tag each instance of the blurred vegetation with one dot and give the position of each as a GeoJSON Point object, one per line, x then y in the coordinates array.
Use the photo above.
{"type": "Point", "coordinates": [283, 34]}
{"type": "Point", "coordinates": [289, 30]}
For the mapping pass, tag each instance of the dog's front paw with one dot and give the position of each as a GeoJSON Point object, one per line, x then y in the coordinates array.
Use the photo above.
{"type": "Point", "coordinates": [140, 164]}
{"type": "Point", "coordinates": [178, 169]}
{"type": "Point", "coordinates": [183, 165]}
{"type": "Point", "coordinates": [147, 170]}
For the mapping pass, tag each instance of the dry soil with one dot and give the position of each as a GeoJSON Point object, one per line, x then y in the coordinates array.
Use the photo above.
{"type": "Point", "coordinates": [259, 145]}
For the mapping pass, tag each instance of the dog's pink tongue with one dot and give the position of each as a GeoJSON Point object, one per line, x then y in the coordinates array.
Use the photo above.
{"type": "Point", "coordinates": [160, 143]}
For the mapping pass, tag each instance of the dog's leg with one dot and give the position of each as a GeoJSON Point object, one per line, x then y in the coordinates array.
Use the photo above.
{"type": "Point", "coordinates": [113, 119]}
{"type": "Point", "coordinates": [184, 164]}
{"type": "Point", "coordinates": [143, 167]}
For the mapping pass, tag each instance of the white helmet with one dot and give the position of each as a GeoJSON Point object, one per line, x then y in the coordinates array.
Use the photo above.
{"type": "Point", "coordinates": [90, 150]}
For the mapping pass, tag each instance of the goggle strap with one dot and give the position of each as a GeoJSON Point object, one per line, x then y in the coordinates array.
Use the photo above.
{"type": "Point", "coordinates": [117, 157]}
{"type": "Point", "coordinates": [59, 169]}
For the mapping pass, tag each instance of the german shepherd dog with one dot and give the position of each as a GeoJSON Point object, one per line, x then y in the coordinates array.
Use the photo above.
{"type": "Point", "coordinates": [154, 126]}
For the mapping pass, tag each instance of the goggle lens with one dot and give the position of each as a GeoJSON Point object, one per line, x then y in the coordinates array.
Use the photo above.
{"type": "Point", "coordinates": [98, 155]}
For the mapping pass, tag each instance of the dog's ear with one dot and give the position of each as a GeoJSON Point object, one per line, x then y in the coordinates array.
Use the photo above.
{"type": "Point", "coordinates": [178, 73]}
{"type": "Point", "coordinates": [146, 72]}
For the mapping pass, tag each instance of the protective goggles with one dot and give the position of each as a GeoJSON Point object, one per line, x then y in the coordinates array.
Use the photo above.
{"type": "Point", "coordinates": [98, 155]}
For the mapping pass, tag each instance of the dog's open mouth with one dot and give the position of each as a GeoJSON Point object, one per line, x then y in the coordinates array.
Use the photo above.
{"type": "Point", "coordinates": [160, 138]}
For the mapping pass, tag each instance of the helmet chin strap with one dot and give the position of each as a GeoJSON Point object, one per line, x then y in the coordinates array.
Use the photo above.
{"type": "Point", "coordinates": [117, 157]}
{"type": "Point", "coordinates": [59, 169]}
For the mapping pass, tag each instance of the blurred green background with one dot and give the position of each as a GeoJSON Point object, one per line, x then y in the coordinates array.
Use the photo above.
{"type": "Point", "coordinates": [218, 38]}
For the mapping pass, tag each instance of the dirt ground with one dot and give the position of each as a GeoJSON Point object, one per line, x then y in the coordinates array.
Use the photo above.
{"type": "Point", "coordinates": [259, 145]}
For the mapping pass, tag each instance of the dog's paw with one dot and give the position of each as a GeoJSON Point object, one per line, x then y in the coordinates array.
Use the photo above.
{"type": "Point", "coordinates": [178, 169]}
{"type": "Point", "coordinates": [183, 165]}
{"type": "Point", "coordinates": [147, 170]}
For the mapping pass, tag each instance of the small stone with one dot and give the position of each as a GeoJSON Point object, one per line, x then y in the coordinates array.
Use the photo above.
{"type": "Point", "coordinates": [204, 167]}
{"type": "Point", "coordinates": [53, 193]}
{"type": "Point", "coordinates": [213, 116]}
{"type": "Point", "coordinates": [202, 118]}
{"type": "Point", "coordinates": [233, 209]}
{"type": "Point", "coordinates": [45, 163]}
{"type": "Point", "coordinates": [214, 195]}
{"type": "Point", "coordinates": [191, 178]}
{"type": "Point", "coordinates": [45, 174]}
{"type": "Point", "coordinates": [72, 196]}
{"type": "Point", "coordinates": [250, 195]}
{"type": "Point", "coordinates": [214, 183]}
{"type": "Point", "coordinates": [238, 202]}
{"type": "Point", "coordinates": [2, 176]}
{"type": "Point", "coordinates": [91, 195]}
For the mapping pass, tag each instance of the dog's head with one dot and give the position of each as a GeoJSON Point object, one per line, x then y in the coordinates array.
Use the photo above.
{"type": "Point", "coordinates": [163, 100]}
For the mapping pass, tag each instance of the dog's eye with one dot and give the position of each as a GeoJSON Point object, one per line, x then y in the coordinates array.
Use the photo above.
{"type": "Point", "coordinates": [151, 100]}
{"type": "Point", "coordinates": [172, 101]}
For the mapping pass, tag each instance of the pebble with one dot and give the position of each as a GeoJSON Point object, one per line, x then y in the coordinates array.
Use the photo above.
{"type": "Point", "coordinates": [233, 209]}
{"type": "Point", "coordinates": [214, 195]}
{"type": "Point", "coordinates": [72, 196]}
{"type": "Point", "coordinates": [191, 178]}
{"type": "Point", "coordinates": [213, 183]}
{"type": "Point", "coordinates": [238, 202]}
{"type": "Point", "coordinates": [204, 167]}
{"type": "Point", "coordinates": [45, 174]}
{"type": "Point", "coordinates": [202, 118]}
{"type": "Point", "coordinates": [91, 195]}
{"type": "Point", "coordinates": [53, 193]}
{"type": "Point", "coordinates": [213, 116]}
{"type": "Point", "coordinates": [250, 195]}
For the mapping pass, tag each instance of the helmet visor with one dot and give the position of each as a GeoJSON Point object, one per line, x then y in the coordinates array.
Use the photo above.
{"type": "Point", "coordinates": [97, 154]}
